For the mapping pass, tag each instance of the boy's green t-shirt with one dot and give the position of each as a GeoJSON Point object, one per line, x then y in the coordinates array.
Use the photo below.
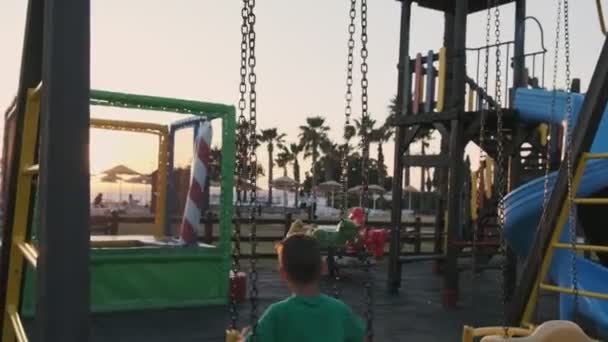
{"type": "Point", "coordinates": [309, 319]}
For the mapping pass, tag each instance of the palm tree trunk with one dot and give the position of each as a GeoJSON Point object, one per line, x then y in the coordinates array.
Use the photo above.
{"type": "Point", "coordinates": [422, 169]}
{"type": "Point", "coordinates": [270, 164]}
{"type": "Point", "coordinates": [381, 175]}
{"type": "Point", "coordinates": [296, 176]}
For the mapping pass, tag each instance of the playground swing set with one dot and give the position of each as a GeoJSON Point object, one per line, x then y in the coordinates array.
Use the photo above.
{"type": "Point", "coordinates": [210, 265]}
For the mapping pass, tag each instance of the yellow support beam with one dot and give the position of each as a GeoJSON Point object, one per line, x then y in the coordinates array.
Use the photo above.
{"type": "Point", "coordinates": [23, 204]}
{"type": "Point", "coordinates": [163, 156]}
{"type": "Point", "coordinates": [442, 80]}
{"type": "Point", "coordinates": [561, 222]}
{"type": "Point", "coordinates": [17, 326]}
{"type": "Point", "coordinates": [582, 247]}
{"type": "Point", "coordinates": [129, 126]}
{"type": "Point", "coordinates": [588, 156]}
{"type": "Point", "coordinates": [596, 201]}
{"type": "Point", "coordinates": [469, 333]}
{"type": "Point", "coordinates": [30, 253]}
{"type": "Point", "coordinates": [161, 185]}
{"type": "Point", "coordinates": [566, 290]}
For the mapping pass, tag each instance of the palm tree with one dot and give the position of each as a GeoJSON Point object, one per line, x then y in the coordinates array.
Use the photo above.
{"type": "Point", "coordinates": [331, 159]}
{"type": "Point", "coordinates": [294, 151]}
{"type": "Point", "coordinates": [271, 137]}
{"type": "Point", "coordinates": [364, 129]}
{"type": "Point", "coordinates": [311, 136]}
{"type": "Point", "coordinates": [283, 159]}
{"type": "Point", "coordinates": [381, 135]}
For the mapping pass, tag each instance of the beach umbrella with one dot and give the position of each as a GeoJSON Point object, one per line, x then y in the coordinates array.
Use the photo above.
{"type": "Point", "coordinates": [286, 184]}
{"type": "Point", "coordinates": [330, 187]}
{"type": "Point", "coordinates": [121, 170]}
{"type": "Point", "coordinates": [373, 189]}
{"type": "Point", "coordinates": [141, 179]}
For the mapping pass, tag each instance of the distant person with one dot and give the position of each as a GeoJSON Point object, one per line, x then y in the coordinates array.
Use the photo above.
{"type": "Point", "coordinates": [131, 202]}
{"type": "Point", "coordinates": [98, 201]}
{"type": "Point", "coordinates": [307, 315]}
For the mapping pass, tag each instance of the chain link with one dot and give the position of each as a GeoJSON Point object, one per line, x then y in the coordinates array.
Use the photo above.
{"type": "Point", "coordinates": [500, 164]}
{"type": "Point", "coordinates": [347, 114]}
{"type": "Point", "coordinates": [365, 120]}
{"type": "Point", "coordinates": [241, 163]}
{"type": "Point", "coordinates": [570, 120]}
{"type": "Point", "coordinates": [548, 159]}
{"type": "Point", "coordinates": [482, 155]}
{"type": "Point", "coordinates": [348, 109]}
{"type": "Point", "coordinates": [253, 164]}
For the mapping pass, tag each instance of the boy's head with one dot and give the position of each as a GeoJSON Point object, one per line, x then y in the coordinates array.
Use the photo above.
{"type": "Point", "coordinates": [300, 259]}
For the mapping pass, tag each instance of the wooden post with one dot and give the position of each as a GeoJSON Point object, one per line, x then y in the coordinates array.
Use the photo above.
{"type": "Point", "coordinates": [403, 95]}
{"type": "Point", "coordinates": [417, 231]}
{"type": "Point", "coordinates": [208, 238]}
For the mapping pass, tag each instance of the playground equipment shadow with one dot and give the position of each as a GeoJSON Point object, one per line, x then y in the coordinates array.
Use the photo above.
{"type": "Point", "coordinates": [415, 314]}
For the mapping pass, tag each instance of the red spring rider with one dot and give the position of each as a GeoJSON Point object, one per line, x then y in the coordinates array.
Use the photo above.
{"type": "Point", "coordinates": [370, 237]}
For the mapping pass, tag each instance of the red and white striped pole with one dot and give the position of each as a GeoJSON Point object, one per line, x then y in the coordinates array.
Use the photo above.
{"type": "Point", "coordinates": [199, 172]}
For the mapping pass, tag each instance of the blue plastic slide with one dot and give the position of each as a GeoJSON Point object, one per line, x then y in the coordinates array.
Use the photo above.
{"type": "Point", "coordinates": [523, 208]}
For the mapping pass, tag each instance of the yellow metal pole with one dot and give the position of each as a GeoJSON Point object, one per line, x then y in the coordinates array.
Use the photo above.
{"type": "Point", "coordinates": [22, 209]}
{"type": "Point", "coordinates": [471, 100]}
{"type": "Point", "coordinates": [561, 222]}
{"type": "Point", "coordinates": [161, 185]}
{"type": "Point", "coordinates": [582, 247]}
{"type": "Point", "coordinates": [560, 289]}
{"type": "Point", "coordinates": [441, 83]}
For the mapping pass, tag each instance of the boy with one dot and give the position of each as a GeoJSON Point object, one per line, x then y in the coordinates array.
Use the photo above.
{"type": "Point", "coordinates": [308, 315]}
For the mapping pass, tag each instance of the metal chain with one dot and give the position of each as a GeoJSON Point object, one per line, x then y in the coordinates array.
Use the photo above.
{"type": "Point", "coordinates": [553, 103]}
{"type": "Point", "coordinates": [570, 120]}
{"type": "Point", "coordinates": [553, 108]}
{"type": "Point", "coordinates": [253, 162]}
{"type": "Point", "coordinates": [347, 114]}
{"type": "Point", "coordinates": [348, 109]}
{"type": "Point", "coordinates": [500, 164]}
{"type": "Point", "coordinates": [241, 164]}
{"type": "Point", "coordinates": [482, 156]}
{"type": "Point", "coordinates": [369, 313]}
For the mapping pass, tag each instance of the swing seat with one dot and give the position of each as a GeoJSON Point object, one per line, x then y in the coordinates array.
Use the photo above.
{"type": "Point", "coordinates": [551, 331]}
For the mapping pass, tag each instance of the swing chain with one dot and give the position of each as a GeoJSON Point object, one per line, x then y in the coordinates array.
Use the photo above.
{"type": "Point", "coordinates": [348, 110]}
{"type": "Point", "coordinates": [365, 120]}
{"type": "Point", "coordinates": [500, 162]}
{"type": "Point", "coordinates": [241, 163]}
{"type": "Point", "coordinates": [347, 114]}
{"type": "Point", "coordinates": [553, 103]}
{"type": "Point", "coordinates": [253, 274]}
{"type": "Point", "coordinates": [482, 134]}
{"type": "Point", "coordinates": [570, 120]}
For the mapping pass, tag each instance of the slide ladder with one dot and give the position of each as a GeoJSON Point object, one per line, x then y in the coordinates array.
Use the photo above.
{"type": "Point", "coordinates": [556, 244]}
{"type": "Point", "coordinates": [21, 247]}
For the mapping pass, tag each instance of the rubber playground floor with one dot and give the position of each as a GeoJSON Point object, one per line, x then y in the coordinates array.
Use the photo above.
{"type": "Point", "coordinates": [415, 314]}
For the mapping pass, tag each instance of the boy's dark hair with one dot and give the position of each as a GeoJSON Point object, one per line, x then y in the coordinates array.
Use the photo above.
{"type": "Point", "coordinates": [300, 257]}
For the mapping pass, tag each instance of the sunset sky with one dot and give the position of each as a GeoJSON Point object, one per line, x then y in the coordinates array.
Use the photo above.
{"type": "Point", "coordinates": [190, 49]}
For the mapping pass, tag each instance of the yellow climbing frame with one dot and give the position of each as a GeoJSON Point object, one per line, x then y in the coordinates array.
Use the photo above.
{"type": "Point", "coordinates": [22, 250]}
{"type": "Point", "coordinates": [441, 83]}
{"type": "Point", "coordinates": [163, 154]}
{"type": "Point", "coordinates": [469, 333]}
{"type": "Point", "coordinates": [555, 243]}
